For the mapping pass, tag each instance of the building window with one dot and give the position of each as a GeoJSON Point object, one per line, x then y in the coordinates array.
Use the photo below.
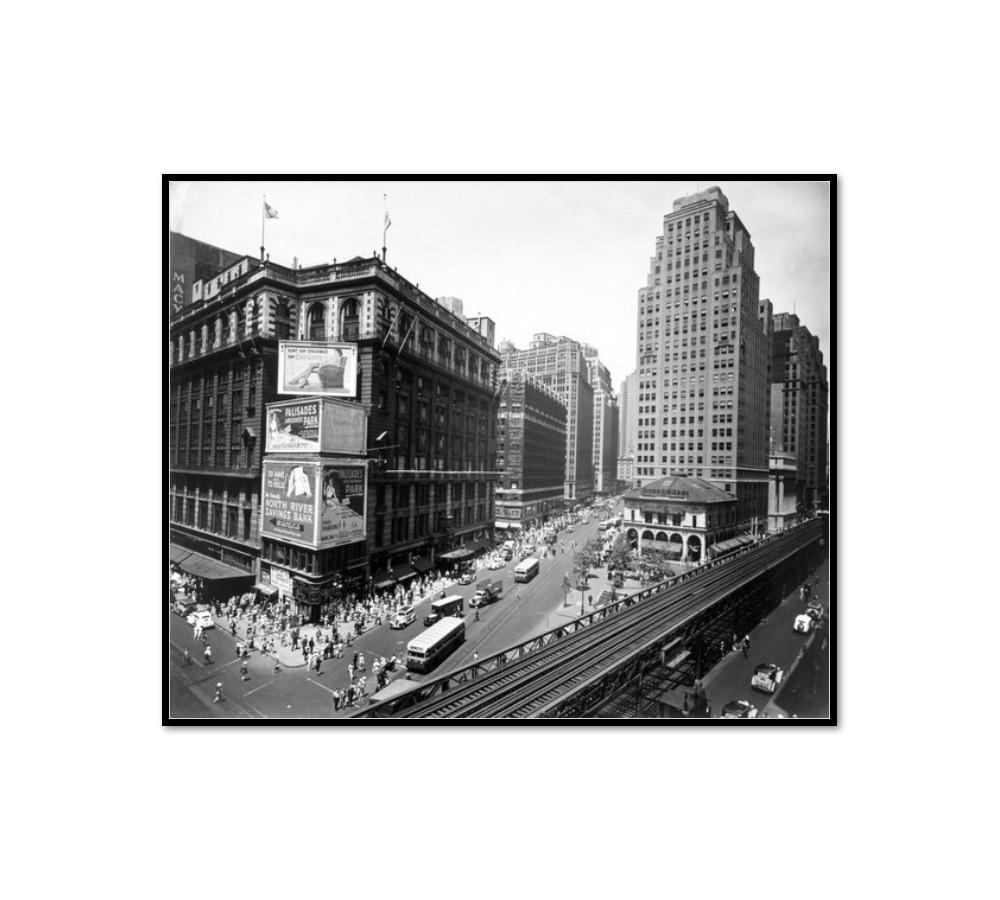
{"type": "Point", "coordinates": [349, 321]}
{"type": "Point", "coordinates": [317, 322]}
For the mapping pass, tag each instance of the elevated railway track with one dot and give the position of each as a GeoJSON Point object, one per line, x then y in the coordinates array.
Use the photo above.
{"type": "Point", "coordinates": [572, 670]}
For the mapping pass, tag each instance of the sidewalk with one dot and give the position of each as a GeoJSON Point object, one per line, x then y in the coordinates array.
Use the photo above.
{"type": "Point", "coordinates": [289, 658]}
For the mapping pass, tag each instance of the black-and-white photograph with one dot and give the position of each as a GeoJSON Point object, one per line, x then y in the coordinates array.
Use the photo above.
{"type": "Point", "coordinates": [551, 449]}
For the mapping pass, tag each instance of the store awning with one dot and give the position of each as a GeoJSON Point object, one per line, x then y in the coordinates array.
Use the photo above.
{"type": "Point", "coordinates": [454, 555]}
{"type": "Point", "coordinates": [726, 546]}
{"type": "Point", "coordinates": [382, 580]}
{"type": "Point", "coordinates": [211, 569]}
{"type": "Point", "coordinates": [178, 554]}
{"type": "Point", "coordinates": [501, 525]}
{"type": "Point", "coordinates": [268, 589]}
{"type": "Point", "coordinates": [403, 572]}
{"type": "Point", "coordinates": [422, 564]}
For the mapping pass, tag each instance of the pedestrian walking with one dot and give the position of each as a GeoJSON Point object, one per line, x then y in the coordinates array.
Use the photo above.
{"type": "Point", "coordinates": [208, 654]}
{"type": "Point", "coordinates": [746, 645]}
{"type": "Point", "coordinates": [354, 663]}
{"type": "Point", "coordinates": [218, 693]}
{"type": "Point", "coordinates": [187, 658]}
{"type": "Point", "coordinates": [350, 695]}
{"type": "Point", "coordinates": [276, 666]}
{"type": "Point", "coordinates": [319, 661]}
{"type": "Point", "coordinates": [350, 671]}
{"type": "Point", "coordinates": [361, 662]}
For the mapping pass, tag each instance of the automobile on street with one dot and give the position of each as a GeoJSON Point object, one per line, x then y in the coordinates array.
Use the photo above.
{"type": "Point", "coordinates": [201, 617]}
{"type": "Point", "coordinates": [767, 677]}
{"type": "Point", "coordinates": [739, 709]}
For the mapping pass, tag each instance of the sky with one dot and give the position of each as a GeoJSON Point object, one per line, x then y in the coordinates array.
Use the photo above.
{"type": "Point", "coordinates": [566, 257]}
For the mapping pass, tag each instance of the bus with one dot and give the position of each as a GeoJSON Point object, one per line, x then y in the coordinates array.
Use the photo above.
{"type": "Point", "coordinates": [446, 606]}
{"type": "Point", "coordinates": [426, 650]}
{"type": "Point", "coordinates": [526, 569]}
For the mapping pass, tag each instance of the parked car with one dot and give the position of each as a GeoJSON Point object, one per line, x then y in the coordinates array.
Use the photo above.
{"type": "Point", "coordinates": [467, 578]}
{"type": "Point", "coordinates": [183, 606]}
{"type": "Point", "coordinates": [803, 624]}
{"type": "Point", "coordinates": [406, 616]}
{"type": "Point", "coordinates": [201, 617]}
{"type": "Point", "coordinates": [739, 709]}
{"type": "Point", "coordinates": [815, 610]}
{"type": "Point", "coordinates": [495, 564]}
{"type": "Point", "coordinates": [767, 677]}
{"type": "Point", "coordinates": [507, 554]}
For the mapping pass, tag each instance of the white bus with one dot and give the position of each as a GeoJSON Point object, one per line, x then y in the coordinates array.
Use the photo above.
{"type": "Point", "coordinates": [526, 569]}
{"type": "Point", "coordinates": [426, 650]}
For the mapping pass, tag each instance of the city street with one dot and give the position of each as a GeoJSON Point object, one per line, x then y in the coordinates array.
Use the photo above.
{"type": "Point", "coordinates": [301, 693]}
{"type": "Point", "coordinates": [772, 641]}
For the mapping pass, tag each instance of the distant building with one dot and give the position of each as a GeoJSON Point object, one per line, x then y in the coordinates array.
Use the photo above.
{"type": "Point", "coordinates": [627, 429]}
{"type": "Point", "coordinates": [782, 512]}
{"type": "Point", "coordinates": [605, 440]}
{"type": "Point", "coordinates": [799, 406]}
{"type": "Point", "coordinates": [452, 304]}
{"type": "Point", "coordinates": [702, 356]}
{"type": "Point", "coordinates": [558, 362]}
{"type": "Point", "coordinates": [190, 261]}
{"type": "Point", "coordinates": [683, 517]}
{"type": "Point", "coordinates": [531, 452]}
{"type": "Point", "coordinates": [485, 326]}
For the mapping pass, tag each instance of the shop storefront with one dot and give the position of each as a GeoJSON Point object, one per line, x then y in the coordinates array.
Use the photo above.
{"type": "Point", "coordinates": [210, 580]}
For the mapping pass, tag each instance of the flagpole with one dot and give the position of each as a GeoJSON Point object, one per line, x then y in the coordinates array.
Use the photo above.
{"type": "Point", "coordinates": [384, 229]}
{"type": "Point", "coordinates": [263, 216]}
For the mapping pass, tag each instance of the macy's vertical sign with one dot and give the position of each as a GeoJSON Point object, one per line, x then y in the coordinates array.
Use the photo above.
{"type": "Point", "coordinates": [177, 291]}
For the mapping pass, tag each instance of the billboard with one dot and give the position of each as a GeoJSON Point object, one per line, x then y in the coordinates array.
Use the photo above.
{"type": "Point", "coordinates": [318, 504]}
{"type": "Point", "coordinates": [342, 502]}
{"type": "Point", "coordinates": [315, 426]}
{"type": "Point", "coordinates": [317, 367]}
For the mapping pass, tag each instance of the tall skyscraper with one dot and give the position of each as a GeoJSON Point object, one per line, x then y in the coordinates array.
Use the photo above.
{"type": "Point", "coordinates": [559, 363]}
{"type": "Point", "coordinates": [702, 355]}
{"type": "Point", "coordinates": [799, 398]}
{"type": "Point", "coordinates": [605, 440]}
{"type": "Point", "coordinates": [627, 428]}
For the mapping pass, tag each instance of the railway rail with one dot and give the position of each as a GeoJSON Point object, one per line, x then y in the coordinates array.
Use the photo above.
{"type": "Point", "coordinates": [539, 683]}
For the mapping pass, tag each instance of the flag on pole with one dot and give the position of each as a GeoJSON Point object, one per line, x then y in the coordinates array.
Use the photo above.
{"type": "Point", "coordinates": [388, 222]}
{"type": "Point", "coordinates": [269, 212]}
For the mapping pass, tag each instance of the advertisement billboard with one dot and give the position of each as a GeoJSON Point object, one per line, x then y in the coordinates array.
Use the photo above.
{"type": "Point", "coordinates": [320, 368]}
{"type": "Point", "coordinates": [315, 426]}
{"type": "Point", "coordinates": [318, 504]}
{"type": "Point", "coordinates": [342, 503]}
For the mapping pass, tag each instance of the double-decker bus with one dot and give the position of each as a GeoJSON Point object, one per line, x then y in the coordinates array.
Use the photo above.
{"type": "Point", "coordinates": [426, 650]}
{"type": "Point", "coordinates": [526, 569]}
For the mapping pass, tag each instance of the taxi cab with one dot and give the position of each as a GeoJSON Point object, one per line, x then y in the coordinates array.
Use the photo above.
{"type": "Point", "coordinates": [803, 624]}
{"type": "Point", "coordinates": [767, 677]}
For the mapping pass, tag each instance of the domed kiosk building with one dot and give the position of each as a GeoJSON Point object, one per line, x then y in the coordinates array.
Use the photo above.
{"type": "Point", "coordinates": [686, 517]}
